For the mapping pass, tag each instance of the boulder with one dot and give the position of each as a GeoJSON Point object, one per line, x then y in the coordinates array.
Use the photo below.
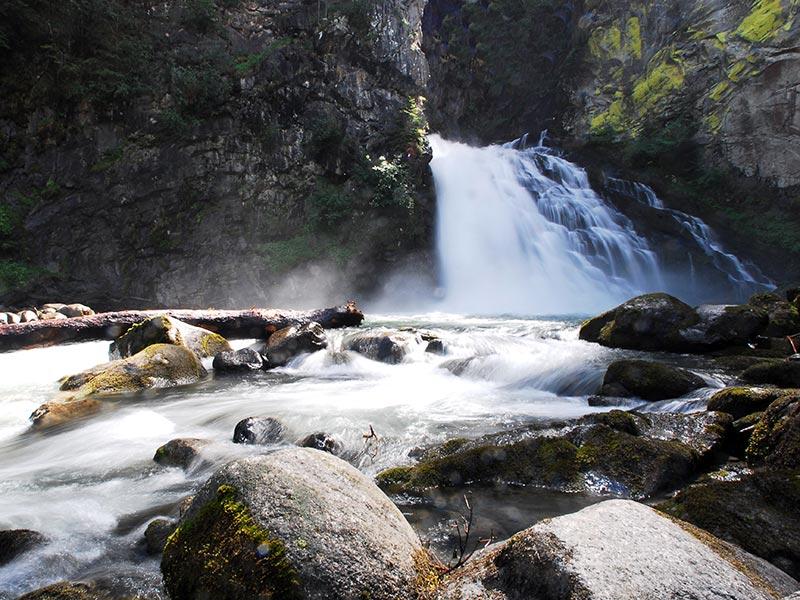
{"type": "Point", "coordinates": [14, 542]}
{"type": "Point", "coordinates": [157, 533]}
{"type": "Point", "coordinates": [283, 345]}
{"type": "Point", "coordinates": [649, 322]}
{"type": "Point", "coordinates": [615, 549]}
{"type": "Point", "coordinates": [157, 366]}
{"type": "Point", "coordinates": [258, 431]}
{"type": "Point", "coordinates": [722, 325]}
{"type": "Point", "coordinates": [648, 380]}
{"type": "Point", "coordinates": [238, 361]}
{"type": "Point", "coordinates": [384, 346]}
{"type": "Point", "coordinates": [621, 453]}
{"type": "Point", "coordinates": [293, 524]}
{"type": "Point", "coordinates": [69, 590]}
{"type": "Point", "coordinates": [75, 310]}
{"type": "Point", "coordinates": [168, 330]}
{"type": "Point", "coordinates": [775, 440]}
{"type": "Point", "coordinates": [27, 316]}
{"type": "Point", "coordinates": [742, 401]}
{"type": "Point", "coordinates": [784, 317]}
{"type": "Point", "coordinates": [181, 452]}
{"type": "Point", "coordinates": [780, 372]}
{"type": "Point", "coordinates": [760, 513]}
{"type": "Point", "coordinates": [322, 441]}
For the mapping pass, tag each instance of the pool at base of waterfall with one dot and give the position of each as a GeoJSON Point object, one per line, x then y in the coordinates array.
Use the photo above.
{"type": "Point", "coordinates": [92, 487]}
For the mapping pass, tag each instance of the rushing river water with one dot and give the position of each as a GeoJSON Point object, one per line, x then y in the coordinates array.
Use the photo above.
{"type": "Point", "coordinates": [92, 487]}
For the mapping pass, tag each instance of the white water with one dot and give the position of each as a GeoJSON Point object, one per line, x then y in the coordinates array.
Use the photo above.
{"type": "Point", "coordinates": [92, 487]}
{"type": "Point", "coordinates": [521, 231]}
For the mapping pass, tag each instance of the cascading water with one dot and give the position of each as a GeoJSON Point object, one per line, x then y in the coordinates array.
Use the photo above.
{"type": "Point", "coordinates": [520, 230]}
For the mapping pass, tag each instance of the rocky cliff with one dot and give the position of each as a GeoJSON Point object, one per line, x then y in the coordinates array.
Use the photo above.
{"type": "Point", "coordinates": [199, 152]}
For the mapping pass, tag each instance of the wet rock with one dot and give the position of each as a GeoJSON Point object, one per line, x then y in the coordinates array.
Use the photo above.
{"type": "Point", "coordinates": [14, 542]}
{"type": "Point", "coordinates": [615, 549]}
{"type": "Point", "coordinates": [622, 453]}
{"type": "Point", "coordinates": [649, 322]}
{"type": "Point", "coordinates": [384, 346]}
{"type": "Point", "coordinates": [782, 373]}
{"type": "Point", "coordinates": [293, 524]}
{"type": "Point", "coordinates": [166, 330]}
{"type": "Point", "coordinates": [157, 366]}
{"type": "Point", "coordinates": [238, 361]}
{"type": "Point", "coordinates": [67, 590]}
{"type": "Point", "coordinates": [322, 441]}
{"type": "Point", "coordinates": [156, 534]}
{"type": "Point", "coordinates": [760, 513]}
{"type": "Point", "coordinates": [742, 401]}
{"type": "Point", "coordinates": [75, 310]}
{"type": "Point", "coordinates": [648, 380]}
{"type": "Point", "coordinates": [458, 366]}
{"type": "Point", "coordinates": [722, 325]}
{"type": "Point", "coordinates": [283, 345]}
{"type": "Point", "coordinates": [258, 430]}
{"type": "Point", "coordinates": [775, 440]}
{"type": "Point", "coordinates": [436, 347]}
{"type": "Point", "coordinates": [784, 317]}
{"type": "Point", "coordinates": [181, 452]}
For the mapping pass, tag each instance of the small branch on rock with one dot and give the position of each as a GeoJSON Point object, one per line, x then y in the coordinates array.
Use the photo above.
{"type": "Point", "coordinates": [463, 526]}
{"type": "Point", "coordinates": [371, 443]}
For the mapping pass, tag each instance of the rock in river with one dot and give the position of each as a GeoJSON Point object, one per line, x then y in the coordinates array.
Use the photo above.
{"type": "Point", "coordinates": [293, 524]}
{"type": "Point", "coordinates": [238, 361]}
{"type": "Point", "coordinates": [286, 343]}
{"type": "Point", "coordinates": [615, 549]}
{"type": "Point", "coordinates": [648, 380]}
{"type": "Point", "coordinates": [14, 542]}
{"type": "Point", "coordinates": [259, 431]}
{"type": "Point", "coordinates": [181, 452]}
{"type": "Point", "coordinates": [163, 329]}
{"type": "Point", "coordinates": [384, 346]}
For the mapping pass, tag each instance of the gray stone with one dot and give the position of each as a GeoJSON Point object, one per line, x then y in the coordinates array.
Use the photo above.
{"type": "Point", "coordinates": [14, 542]}
{"type": "Point", "coordinates": [238, 361]}
{"type": "Point", "coordinates": [283, 345]}
{"type": "Point", "coordinates": [384, 346]}
{"type": "Point", "coordinates": [258, 430]}
{"type": "Point", "coordinates": [181, 452]}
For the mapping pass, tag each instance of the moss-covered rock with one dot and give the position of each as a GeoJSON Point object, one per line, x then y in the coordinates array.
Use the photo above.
{"type": "Point", "coordinates": [760, 513]}
{"type": "Point", "coordinates": [742, 401]}
{"type": "Point", "coordinates": [775, 440]}
{"type": "Point", "coordinates": [784, 317]}
{"type": "Point", "coordinates": [286, 343]}
{"type": "Point", "coordinates": [293, 524]}
{"type": "Point", "coordinates": [782, 373]}
{"type": "Point", "coordinates": [164, 329]}
{"type": "Point", "coordinates": [648, 380]}
{"type": "Point", "coordinates": [67, 590]}
{"type": "Point", "coordinates": [157, 366]}
{"type": "Point", "coordinates": [649, 322]}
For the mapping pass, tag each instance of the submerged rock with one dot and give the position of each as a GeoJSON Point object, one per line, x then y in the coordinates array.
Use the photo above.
{"type": "Point", "coordinates": [258, 430]}
{"type": "Point", "coordinates": [283, 345]}
{"type": "Point", "coordinates": [384, 346]}
{"type": "Point", "coordinates": [615, 549]}
{"type": "Point", "coordinates": [14, 542]}
{"type": "Point", "coordinates": [181, 452]}
{"type": "Point", "coordinates": [238, 361]}
{"type": "Point", "coordinates": [648, 380]}
{"type": "Point", "coordinates": [157, 366]}
{"type": "Point", "coordinates": [621, 453]}
{"type": "Point", "coordinates": [167, 330]}
{"type": "Point", "coordinates": [293, 524]}
{"type": "Point", "coordinates": [760, 513]}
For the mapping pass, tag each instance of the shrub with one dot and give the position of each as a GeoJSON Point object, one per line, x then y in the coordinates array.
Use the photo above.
{"type": "Point", "coordinates": [200, 15]}
{"type": "Point", "coordinates": [328, 206]}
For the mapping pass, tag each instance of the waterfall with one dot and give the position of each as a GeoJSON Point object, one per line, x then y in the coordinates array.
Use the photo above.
{"type": "Point", "coordinates": [521, 231]}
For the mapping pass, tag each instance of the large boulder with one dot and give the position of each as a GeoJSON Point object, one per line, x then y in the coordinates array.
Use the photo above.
{"type": "Point", "coordinates": [649, 322]}
{"type": "Point", "coordinates": [283, 345]}
{"type": "Point", "coordinates": [615, 549]}
{"type": "Point", "coordinates": [69, 590]}
{"type": "Point", "coordinates": [784, 317]}
{"type": "Point", "coordinates": [14, 542]}
{"type": "Point", "coordinates": [157, 366]}
{"type": "Point", "coordinates": [258, 431]}
{"type": "Point", "coordinates": [648, 380]}
{"type": "Point", "coordinates": [760, 513]}
{"type": "Point", "coordinates": [740, 402]}
{"type": "Point", "coordinates": [238, 361]}
{"type": "Point", "coordinates": [780, 372]}
{"type": "Point", "coordinates": [619, 453]}
{"type": "Point", "coordinates": [775, 441]}
{"type": "Point", "coordinates": [163, 329]}
{"type": "Point", "coordinates": [723, 325]}
{"type": "Point", "coordinates": [293, 524]}
{"type": "Point", "coordinates": [180, 452]}
{"type": "Point", "coordinates": [384, 346]}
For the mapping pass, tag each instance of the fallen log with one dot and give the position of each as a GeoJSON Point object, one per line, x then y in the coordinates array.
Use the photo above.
{"type": "Point", "coordinates": [231, 324]}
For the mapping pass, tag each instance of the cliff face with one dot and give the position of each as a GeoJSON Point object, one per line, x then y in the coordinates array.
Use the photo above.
{"type": "Point", "coordinates": [208, 150]}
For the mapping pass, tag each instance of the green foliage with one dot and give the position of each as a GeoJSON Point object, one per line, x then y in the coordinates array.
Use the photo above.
{"type": "Point", "coordinates": [108, 160]}
{"type": "Point", "coordinates": [15, 274]}
{"type": "Point", "coordinates": [671, 142]}
{"type": "Point", "coordinates": [389, 180]}
{"type": "Point", "coordinates": [282, 256]}
{"type": "Point", "coordinates": [327, 134]}
{"type": "Point", "coordinates": [328, 206]}
{"type": "Point", "coordinates": [199, 15]}
{"type": "Point", "coordinates": [200, 90]}
{"type": "Point", "coordinates": [246, 64]}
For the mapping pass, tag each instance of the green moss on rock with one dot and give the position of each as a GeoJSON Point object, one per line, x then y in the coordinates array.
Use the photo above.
{"type": "Point", "coordinates": [648, 380]}
{"type": "Point", "coordinates": [775, 441]}
{"type": "Point", "coordinates": [221, 552]}
{"type": "Point", "coordinates": [742, 401]}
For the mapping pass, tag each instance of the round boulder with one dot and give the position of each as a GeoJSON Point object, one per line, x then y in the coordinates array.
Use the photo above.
{"type": "Point", "coordinates": [293, 524]}
{"type": "Point", "coordinates": [181, 452]}
{"type": "Point", "coordinates": [238, 361]}
{"type": "Point", "coordinates": [320, 440]}
{"type": "Point", "coordinates": [648, 380]}
{"type": "Point", "coordinates": [283, 345]}
{"type": "Point", "coordinates": [258, 431]}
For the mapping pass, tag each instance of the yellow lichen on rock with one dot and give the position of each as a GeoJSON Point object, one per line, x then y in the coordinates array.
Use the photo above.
{"type": "Point", "coordinates": [661, 81]}
{"type": "Point", "coordinates": [764, 21]}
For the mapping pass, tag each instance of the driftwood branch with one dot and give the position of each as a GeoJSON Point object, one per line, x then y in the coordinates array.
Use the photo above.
{"type": "Point", "coordinates": [231, 324]}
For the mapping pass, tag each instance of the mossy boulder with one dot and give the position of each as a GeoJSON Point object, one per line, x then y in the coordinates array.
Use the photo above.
{"type": "Point", "coordinates": [68, 590]}
{"type": "Point", "coordinates": [157, 533]}
{"type": "Point", "coordinates": [617, 452]}
{"type": "Point", "coordinates": [157, 366]}
{"type": "Point", "coordinates": [283, 345]}
{"type": "Point", "coordinates": [293, 524]}
{"type": "Point", "coordinates": [742, 401]}
{"type": "Point", "coordinates": [180, 452]}
{"type": "Point", "coordinates": [649, 322]}
{"type": "Point", "coordinates": [648, 380]}
{"type": "Point", "coordinates": [780, 372]}
{"type": "Point", "coordinates": [614, 549]}
{"type": "Point", "coordinates": [784, 317]}
{"type": "Point", "coordinates": [164, 329]}
{"type": "Point", "coordinates": [760, 513]}
{"type": "Point", "coordinates": [775, 441]}
{"type": "Point", "coordinates": [14, 542]}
